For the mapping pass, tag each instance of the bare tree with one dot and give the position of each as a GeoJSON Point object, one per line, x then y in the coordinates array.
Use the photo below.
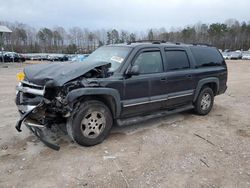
{"type": "Point", "coordinates": [229, 35]}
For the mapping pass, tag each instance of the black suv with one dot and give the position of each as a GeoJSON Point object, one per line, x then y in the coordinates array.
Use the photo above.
{"type": "Point", "coordinates": [119, 84]}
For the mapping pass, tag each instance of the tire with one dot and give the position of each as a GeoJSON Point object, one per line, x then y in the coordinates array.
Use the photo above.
{"type": "Point", "coordinates": [204, 102]}
{"type": "Point", "coordinates": [91, 124]}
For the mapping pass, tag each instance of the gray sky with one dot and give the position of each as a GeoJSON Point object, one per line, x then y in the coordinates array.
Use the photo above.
{"type": "Point", "coordinates": [132, 15]}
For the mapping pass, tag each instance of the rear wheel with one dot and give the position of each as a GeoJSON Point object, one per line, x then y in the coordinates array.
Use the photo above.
{"type": "Point", "coordinates": [204, 102]}
{"type": "Point", "coordinates": [91, 124]}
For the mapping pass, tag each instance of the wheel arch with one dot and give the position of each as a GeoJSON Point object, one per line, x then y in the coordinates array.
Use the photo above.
{"type": "Point", "coordinates": [212, 82]}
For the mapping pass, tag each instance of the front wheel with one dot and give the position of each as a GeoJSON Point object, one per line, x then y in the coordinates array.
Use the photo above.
{"type": "Point", "coordinates": [91, 124]}
{"type": "Point", "coordinates": [204, 102]}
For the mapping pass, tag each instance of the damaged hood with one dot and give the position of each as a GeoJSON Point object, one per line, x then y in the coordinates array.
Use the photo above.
{"type": "Point", "coordinates": [60, 72]}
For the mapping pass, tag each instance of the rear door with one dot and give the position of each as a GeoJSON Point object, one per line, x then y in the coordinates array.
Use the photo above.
{"type": "Point", "coordinates": [180, 83]}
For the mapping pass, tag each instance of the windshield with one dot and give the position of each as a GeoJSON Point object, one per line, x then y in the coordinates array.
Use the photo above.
{"type": "Point", "coordinates": [113, 55]}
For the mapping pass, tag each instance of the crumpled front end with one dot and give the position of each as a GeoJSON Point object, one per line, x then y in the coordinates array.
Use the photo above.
{"type": "Point", "coordinates": [28, 96]}
{"type": "Point", "coordinates": [43, 104]}
{"type": "Point", "coordinates": [37, 112]}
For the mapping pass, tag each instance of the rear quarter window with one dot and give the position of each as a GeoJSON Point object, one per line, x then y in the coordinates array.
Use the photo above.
{"type": "Point", "coordinates": [206, 55]}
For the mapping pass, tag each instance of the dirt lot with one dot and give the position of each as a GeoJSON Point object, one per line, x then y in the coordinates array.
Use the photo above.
{"type": "Point", "coordinates": [167, 152]}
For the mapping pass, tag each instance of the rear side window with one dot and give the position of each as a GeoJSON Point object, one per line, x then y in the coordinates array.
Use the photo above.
{"type": "Point", "coordinates": [206, 56]}
{"type": "Point", "coordinates": [149, 62]}
{"type": "Point", "coordinates": [176, 59]}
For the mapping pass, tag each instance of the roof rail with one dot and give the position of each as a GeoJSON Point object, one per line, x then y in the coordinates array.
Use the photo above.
{"type": "Point", "coordinates": [194, 44]}
{"type": "Point", "coordinates": [201, 44]}
{"type": "Point", "coordinates": [152, 41]}
{"type": "Point", "coordinates": [163, 41]}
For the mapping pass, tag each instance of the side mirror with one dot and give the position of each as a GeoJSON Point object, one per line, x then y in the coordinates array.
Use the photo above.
{"type": "Point", "coordinates": [134, 70]}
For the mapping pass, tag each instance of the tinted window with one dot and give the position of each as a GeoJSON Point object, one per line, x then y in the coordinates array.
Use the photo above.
{"type": "Point", "coordinates": [149, 62]}
{"type": "Point", "coordinates": [206, 55]}
{"type": "Point", "coordinates": [177, 59]}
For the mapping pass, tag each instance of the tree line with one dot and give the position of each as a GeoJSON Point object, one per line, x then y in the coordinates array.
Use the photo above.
{"type": "Point", "coordinates": [231, 35]}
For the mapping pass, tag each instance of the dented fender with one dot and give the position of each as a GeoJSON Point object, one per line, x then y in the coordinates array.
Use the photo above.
{"type": "Point", "coordinates": [77, 93]}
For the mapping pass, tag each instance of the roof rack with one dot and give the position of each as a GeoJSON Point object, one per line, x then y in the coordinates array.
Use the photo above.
{"type": "Point", "coordinates": [152, 41]}
{"type": "Point", "coordinates": [201, 44]}
{"type": "Point", "coordinates": [194, 44]}
{"type": "Point", "coordinates": [163, 41]}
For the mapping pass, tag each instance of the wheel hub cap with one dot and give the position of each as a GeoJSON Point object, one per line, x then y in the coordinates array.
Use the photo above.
{"type": "Point", "coordinates": [93, 124]}
{"type": "Point", "coordinates": [205, 101]}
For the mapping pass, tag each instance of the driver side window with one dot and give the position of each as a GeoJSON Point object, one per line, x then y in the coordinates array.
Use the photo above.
{"type": "Point", "coordinates": [149, 62]}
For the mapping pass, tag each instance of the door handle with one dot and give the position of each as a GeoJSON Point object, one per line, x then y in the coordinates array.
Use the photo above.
{"type": "Point", "coordinates": [164, 79]}
{"type": "Point", "coordinates": [189, 76]}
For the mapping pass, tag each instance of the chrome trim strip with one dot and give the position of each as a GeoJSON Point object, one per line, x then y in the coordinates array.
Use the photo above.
{"type": "Point", "coordinates": [173, 97]}
{"type": "Point", "coordinates": [31, 84]}
{"type": "Point", "coordinates": [19, 84]}
{"type": "Point", "coordinates": [139, 103]}
{"type": "Point", "coordinates": [25, 108]}
{"type": "Point", "coordinates": [30, 90]}
{"type": "Point", "coordinates": [158, 100]}
{"type": "Point", "coordinates": [33, 124]}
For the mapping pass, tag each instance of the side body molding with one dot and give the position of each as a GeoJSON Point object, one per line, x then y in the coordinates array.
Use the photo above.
{"type": "Point", "coordinates": [204, 81]}
{"type": "Point", "coordinates": [73, 95]}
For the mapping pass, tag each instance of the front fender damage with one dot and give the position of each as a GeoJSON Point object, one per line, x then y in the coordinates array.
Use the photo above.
{"type": "Point", "coordinates": [59, 101]}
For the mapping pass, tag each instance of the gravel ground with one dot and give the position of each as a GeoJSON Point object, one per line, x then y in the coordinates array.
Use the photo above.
{"type": "Point", "coordinates": [181, 150]}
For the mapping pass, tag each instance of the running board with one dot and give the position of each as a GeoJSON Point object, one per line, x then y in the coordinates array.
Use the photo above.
{"type": "Point", "coordinates": [139, 119]}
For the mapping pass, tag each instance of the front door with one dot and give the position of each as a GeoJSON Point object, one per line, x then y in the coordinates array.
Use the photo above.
{"type": "Point", "coordinates": [138, 89]}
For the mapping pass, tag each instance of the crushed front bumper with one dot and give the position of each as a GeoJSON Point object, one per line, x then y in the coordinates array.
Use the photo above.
{"type": "Point", "coordinates": [37, 129]}
{"type": "Point", "coordinates": [40, 134]}
{"type": "Point", "coordinates": [29, 99]}
{"type": "Point", "coordinates": [25, 108]}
